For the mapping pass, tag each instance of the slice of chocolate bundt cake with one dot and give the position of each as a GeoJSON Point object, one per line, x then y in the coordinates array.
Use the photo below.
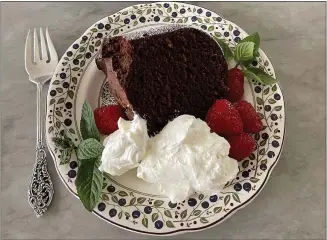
{"type": "Point", "coordinates": [166, 75]}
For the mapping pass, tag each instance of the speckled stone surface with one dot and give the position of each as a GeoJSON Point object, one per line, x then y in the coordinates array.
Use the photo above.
{"type": "Point", "coordinates": [291, 206]}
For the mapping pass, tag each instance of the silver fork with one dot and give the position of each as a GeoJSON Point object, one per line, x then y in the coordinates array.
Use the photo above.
{"type": "Point", "coordinates": [40, 69]}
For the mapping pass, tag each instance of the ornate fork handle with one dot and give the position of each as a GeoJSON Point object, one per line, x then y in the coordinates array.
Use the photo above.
{"type": "Point", "coordinates": [40, 191]}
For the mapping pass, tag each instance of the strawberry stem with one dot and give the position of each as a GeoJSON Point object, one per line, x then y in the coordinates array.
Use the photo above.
{"type": "Point", "coordinates": [237, 64]}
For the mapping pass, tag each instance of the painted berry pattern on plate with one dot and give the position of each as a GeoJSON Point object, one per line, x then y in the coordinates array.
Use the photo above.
{"type": "Point", "coordinates": [153, 214]}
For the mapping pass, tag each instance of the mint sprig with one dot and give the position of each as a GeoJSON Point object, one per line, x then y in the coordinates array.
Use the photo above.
{"type": "Point", "coordinates": [67, 147]}
{"type": "Point", "coordinates": [87, 124]}
{"type": "Point", "coordinates": [245, 52]}
{"type": "Point", "coordinates": [89, 178]}
{"type": "Point", "coordinates": [254, 38]}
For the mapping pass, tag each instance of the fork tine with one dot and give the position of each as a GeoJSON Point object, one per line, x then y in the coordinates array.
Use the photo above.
{"type": "Point", "coordinates": [28, 50]}
{"type": "Point", "coordinates": [44, 54]}
{"type": "Point", "coordinates": [36, 47]}
{"type": "Point", "coordinates": [52, 50]}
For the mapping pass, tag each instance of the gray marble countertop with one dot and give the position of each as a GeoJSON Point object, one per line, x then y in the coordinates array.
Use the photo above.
{"type": "Point", "coordinates": [291, 206]}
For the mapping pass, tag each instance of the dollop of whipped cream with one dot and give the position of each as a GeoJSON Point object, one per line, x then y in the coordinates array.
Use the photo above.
{"type": "Point", "coordinates": [126, 147]}
{"type": "Point", "coordinates": [185, 157]}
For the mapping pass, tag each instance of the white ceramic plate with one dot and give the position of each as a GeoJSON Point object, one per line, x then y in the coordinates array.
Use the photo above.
{"type": "Point", "coordinates": [129, 202]}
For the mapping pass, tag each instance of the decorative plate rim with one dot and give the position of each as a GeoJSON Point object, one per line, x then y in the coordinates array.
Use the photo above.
{"type": "Point", "coordinates": [183, 230]}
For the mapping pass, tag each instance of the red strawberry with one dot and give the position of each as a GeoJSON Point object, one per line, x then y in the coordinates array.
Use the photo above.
{"type": "Point", "coordinates": [251, 120]}
{"type": "Point", "coordinates": [106, 118]}
{"type": "Point", "coordinates": [236, 74]}
{"type": "Point", "coordinates": [235, 84]}
{"type": "Point", "coordinates": [241, 146]}
{"type": "Point", "coordinates": [224, 119]}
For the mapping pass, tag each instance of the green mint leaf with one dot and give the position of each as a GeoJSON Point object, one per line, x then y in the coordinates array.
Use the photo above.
{"type": "Point", "coordinates": [244, 51]}
{"type": "Point", "coordinates": [250, 75]}
{"type": "Point", "coordinates": [89, 183]}
{"type": "Point", "coordinates": [87, 124]}
{"type": "Point", "coordinates": [255, 38]}
{"type": "Point", "coordinates": [69, 141]}
{"type": "Point", "coordinates": [259, 75]}
{"type": "Point", "coordinates": [89, 149]}
{"type": "Point", "coordinates": [228, 54]}
{"type": "Point", "coordinates": [247, 63]}
{"type": "Point", "coordinates": [98, 161]}
{"type": "Point", "coordinates": [60, 142]}
{"type": "Point", "coordinates": [65, 156]}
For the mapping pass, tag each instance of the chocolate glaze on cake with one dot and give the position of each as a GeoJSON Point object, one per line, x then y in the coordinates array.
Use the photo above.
{"type": "Point", "coordinates": [163, 76]}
